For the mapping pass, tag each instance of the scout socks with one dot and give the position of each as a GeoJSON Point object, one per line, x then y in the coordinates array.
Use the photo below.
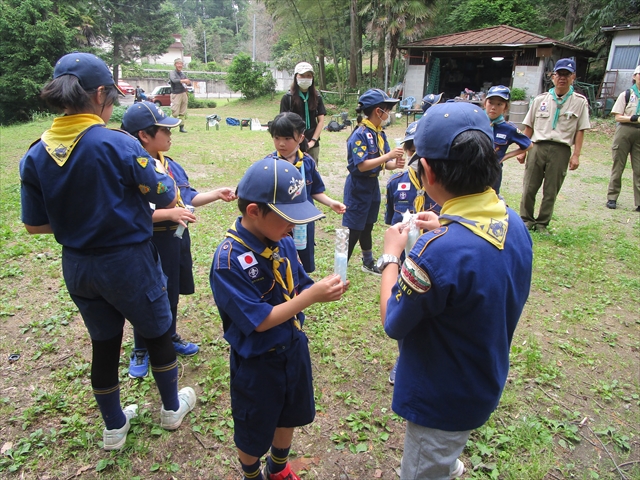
{"type": "Point", "coordinates": [252, 472]}
{"type": "Point", "coordinates": [278, 459]}
{"type": "Point", "coordinates": [166, 377]}
{"type": "Point", "coordinates": [367, 257]}
{"type": "Point", "coordinates": [109, 403]}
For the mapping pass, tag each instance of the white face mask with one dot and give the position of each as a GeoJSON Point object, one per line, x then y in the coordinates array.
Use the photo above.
{"type": "Point", "coordinates": [387, 121]}
{"type": "Point", "coordinates": [304, 83]}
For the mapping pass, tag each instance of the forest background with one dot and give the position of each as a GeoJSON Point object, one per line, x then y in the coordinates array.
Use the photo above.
{"type": "Point", "coordinates": [353, 44]}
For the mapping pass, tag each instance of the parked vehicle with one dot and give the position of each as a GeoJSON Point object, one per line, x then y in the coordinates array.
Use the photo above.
{"type": "Point", "coordinates": [161, 96]}
{"type": "Point", "coordinates": [126, 88]}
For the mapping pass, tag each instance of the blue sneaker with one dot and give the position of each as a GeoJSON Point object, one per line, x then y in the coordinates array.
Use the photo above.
{"type": "Point", "coordinates": [392, 374]}
{"type": "Point", "coordinates": [184, 348]}
{"type": "Point", "coordinates": [139, 364]}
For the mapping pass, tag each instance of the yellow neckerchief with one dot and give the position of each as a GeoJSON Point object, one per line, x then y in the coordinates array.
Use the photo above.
{"type": "Point", "coordinates": [378, 130]}
{"type": "Point", "coordinates": [483, 213]}
{"type": "Point", "coordinates": [288, 288]}
{"type": "Point", "coordinates": [165, 164]}
{"type": "Point", "coordinates": [299, 163]}
{"type": "Point", "coordinates": [65, 133]}
{"type": "Point", "coordinates": [418, 202]}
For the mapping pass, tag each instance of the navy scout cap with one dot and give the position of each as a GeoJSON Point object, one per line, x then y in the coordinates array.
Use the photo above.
{"type": "Point", "coordinates": [442, 123]}
{"type": "Point", "coordinates": [499, 91]}
{"type": "Point", "coordinates": [565, 64]}
{"type": "Point", "coordinates": [280, 185]}
{"type": "Point", "coordinates": [375, 96]}
{"type": "Point", "coordinates": [430, 100]}
{"type": "Point", "coordinates": [144, 115]}
{"type": "Point", "coordinates": [410, 132]}
{"type": "Point", "coordinates": [90, 71]}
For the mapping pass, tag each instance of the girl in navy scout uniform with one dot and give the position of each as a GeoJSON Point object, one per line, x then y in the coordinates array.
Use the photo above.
{"type": "Point", "coordinates": [149, 124]}
{"type": "Point", "coordinates": [504, 133]}
{"type": "Point", "coordinates": [261, 289]}
{"type": "Point", "coordinates": [368, 154]}
{"type": "Point", "coordinates": [452, 367]}
{"type": "Point", "coordinates": [111, 269]}
{"type": "Point", "coordinates": [287, 131]}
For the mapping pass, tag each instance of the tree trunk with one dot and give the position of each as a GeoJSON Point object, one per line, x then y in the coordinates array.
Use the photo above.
{"type": "Point", "coordinates": [321, 78]}
{"type": "Point", "coordinates": [353, 44]}
{"type": "Point", "coordinates": [116, 59]}
{"type": "Point", "coordinates": [572, 16]}
{"type": "Point", "coordinates": [381, 55]}
{"type": "Point", "coordinates": [359, 55]}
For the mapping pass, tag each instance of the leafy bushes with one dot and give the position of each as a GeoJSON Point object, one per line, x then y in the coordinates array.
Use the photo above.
{"type": "Point", "coordinates": [249, 77]}
{"type": "Point", "coordinates": [200, 103]}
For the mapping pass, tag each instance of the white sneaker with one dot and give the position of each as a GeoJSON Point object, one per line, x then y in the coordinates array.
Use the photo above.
{"type": "Point", "coordinates": [170, 420]}
{"type": "Point", "coordinates": [114, 439]}
{"type": "Point", "coordinates": [458, 469]}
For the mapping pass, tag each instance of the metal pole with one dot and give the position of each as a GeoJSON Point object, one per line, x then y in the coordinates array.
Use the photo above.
{"type": "Point", "coordinates": [204, 34]}
{"type": "Point", "coordinates": [254, 37]}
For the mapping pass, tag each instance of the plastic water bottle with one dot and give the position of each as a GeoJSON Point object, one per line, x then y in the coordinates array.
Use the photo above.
{"type": "Point", "coordinates": [300, 236]}
{"type": "Point", "coordinates": [340, 256]}
{"type": "Point", "coordinates": [409, 219]}
{"type": "Point", "coordinates": [180, 230]}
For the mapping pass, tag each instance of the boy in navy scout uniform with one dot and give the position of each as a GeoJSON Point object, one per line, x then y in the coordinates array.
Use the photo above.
{"type": "Point", "coordinates": [504, 133]}
{"type": "Point", "coordinates": [149, 124]}
{"type": "Point", "coordinates": [404, 191]}
{"type": "Point", "coordinates": [626, 141]}
{"type": "Point", "coordinates": [368, 154]}
{"type": "Point", "coordinates": [475, 265]}
{"type": "Point", "coordinates": [111, 269]}
{"type": "Point", "coordinates": [261, 289]}
{"type": "Point", "coordinates": [555, 122]}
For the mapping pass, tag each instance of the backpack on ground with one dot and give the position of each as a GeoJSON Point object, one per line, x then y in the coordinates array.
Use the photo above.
{"type": "Point", "coordinates": [334, 126]}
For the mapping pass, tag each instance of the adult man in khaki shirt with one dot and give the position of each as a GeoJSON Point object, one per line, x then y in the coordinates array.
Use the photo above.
{"type": "Point", "coordinates": [179, 96]}
{"type": "Point", "coordinates": [626, 141]}
{"type": "Point", "coordinates": [555, 122]}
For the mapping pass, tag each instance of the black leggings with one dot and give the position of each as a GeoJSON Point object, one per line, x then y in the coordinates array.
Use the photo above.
{"type": "Point", "coordinates": [106, 357]}
{"type": "Point", "coordinates": [364, 236]}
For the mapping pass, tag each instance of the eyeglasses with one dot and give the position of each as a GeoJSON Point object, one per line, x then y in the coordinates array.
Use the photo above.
{"type": "Point", "coordinates": [563, 73]}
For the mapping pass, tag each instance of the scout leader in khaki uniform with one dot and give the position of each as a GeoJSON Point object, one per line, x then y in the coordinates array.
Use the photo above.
{"type": "Point", "coordinates": [626, 141]}
{"type": "Point", "coordinates": [179, 96]}
{"type": "Point", "coordinates": [555, 122]}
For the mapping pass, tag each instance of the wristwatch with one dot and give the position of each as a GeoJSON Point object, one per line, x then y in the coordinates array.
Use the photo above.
{"type": "Point", "coordinates": [385, 259]}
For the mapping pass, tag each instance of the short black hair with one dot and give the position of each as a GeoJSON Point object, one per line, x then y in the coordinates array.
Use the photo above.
{"type": "Point", "coordinates": [472, 165]}
{"type": "Point", "coordinates": [286, 124]}
{"type": "Point", "coordinates": [151, 131]}
{"type": "Point", "coordinates": [66, 93]}
{"type": "Point", "coordinates": [263, 208]}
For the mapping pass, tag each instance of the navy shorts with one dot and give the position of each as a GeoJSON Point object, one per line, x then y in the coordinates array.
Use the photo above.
{"type": "Point", "coordinates": [269, 391]}
{"type": "Point", "coordinates": [114, 283]}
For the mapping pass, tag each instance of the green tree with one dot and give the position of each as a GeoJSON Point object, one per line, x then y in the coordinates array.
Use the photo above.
{"type": "Point", "coordinates": [133, 29]}
{"type": "Point", "coordinates": [473, 14]}
{"type": "Point", "coordinates": [250, 78]}
{"type": "Point", "coordinates": [34, 36]}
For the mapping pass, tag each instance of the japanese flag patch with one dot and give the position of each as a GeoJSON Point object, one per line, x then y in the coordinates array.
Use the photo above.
{"type": "Point", "coordinates": [247, 260]}
{"type": "Point", "coordinates": [404, 186]}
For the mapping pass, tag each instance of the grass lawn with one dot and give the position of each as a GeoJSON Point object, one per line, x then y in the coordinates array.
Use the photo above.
{"type": "Point", "coordinates": [570, 410]}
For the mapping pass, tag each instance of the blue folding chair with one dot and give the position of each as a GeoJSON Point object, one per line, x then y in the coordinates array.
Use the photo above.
{"type": "Point", "coordinates": [406, 104]}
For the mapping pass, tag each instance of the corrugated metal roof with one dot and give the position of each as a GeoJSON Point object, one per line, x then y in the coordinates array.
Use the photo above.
{"type": "Point", "coordinates": [499, 36]}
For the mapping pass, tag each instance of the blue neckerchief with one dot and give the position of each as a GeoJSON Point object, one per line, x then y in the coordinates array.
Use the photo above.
{"type": "Point", "coordinates": [559, 104]}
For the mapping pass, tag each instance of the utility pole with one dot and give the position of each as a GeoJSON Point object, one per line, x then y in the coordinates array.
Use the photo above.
{"type": "Point", "coordinates": [204, 34]}
{"type": "Point", "coordinates": [254, 37]}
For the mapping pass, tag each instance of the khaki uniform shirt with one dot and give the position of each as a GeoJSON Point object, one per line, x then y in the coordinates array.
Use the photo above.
{"type": "Point", "coordinates": [619, 107]}
{"type": "Point", "coordinates": [574, 116]}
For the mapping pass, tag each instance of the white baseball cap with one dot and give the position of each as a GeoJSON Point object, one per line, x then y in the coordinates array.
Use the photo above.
{"type": "Point", "coordinates": [303, 67]}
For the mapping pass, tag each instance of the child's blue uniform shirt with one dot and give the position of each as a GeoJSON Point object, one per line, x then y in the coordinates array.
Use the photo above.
{"type": "Point", "coordinates": [100, 196]}
{"type": "Point", "coordinates": [245, 292]}
{"type": "Point", "coordinates": [187, 192]}
{"type": "Point", "coordinates": [506, 133]}
{"type": "Point", "coordinates": [456, 315]}
{"type": "Point", "coordinates": [401, 195]}
{"type": "Point", "coordinates": [363, 145]}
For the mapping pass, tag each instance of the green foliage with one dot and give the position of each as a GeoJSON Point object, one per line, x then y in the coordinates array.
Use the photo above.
{"type": "Point", "coordinates": [474, 14]}
{"type": "Point", "coordinates": [33, 38]}
{"type": "Point", "coordinates": [250, 78]}
{"type": "Point", "coordinates": [518, 94]}
{"type": "Point", "coordinates": [200, 103]}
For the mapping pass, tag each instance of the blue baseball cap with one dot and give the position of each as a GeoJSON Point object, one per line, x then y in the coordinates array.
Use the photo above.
{"type": "Point", "coordinates": [565, 64]}
{"type": "Point", "coordinates": [430, 100]}
{"type": "Point", "coordinates": [90, 71]}
{"type": "Point", "coordinates": [499, 91]}
{"type": "Point", "coordinates": [280, 185]}
{"type": "Point", "coordinates": [410, 132]}
{"type": "Point", "coordinates": [373, 97]}
{"type": "Point", "coordinates": [143, 115]}
{"type": "Point", "coordinates": [442, 123]}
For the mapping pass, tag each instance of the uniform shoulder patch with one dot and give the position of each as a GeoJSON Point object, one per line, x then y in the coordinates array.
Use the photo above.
{"type": "Point", "coordinates": [142, 161]}
{"type": "Point", "coordinates": [413, 279]}
{"type": "Point", "coordinates": [144, 189]}
{"type": "Point", "coordinates": [162, 188]}
{"type": "Point", "coordinates": [434, 234]}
